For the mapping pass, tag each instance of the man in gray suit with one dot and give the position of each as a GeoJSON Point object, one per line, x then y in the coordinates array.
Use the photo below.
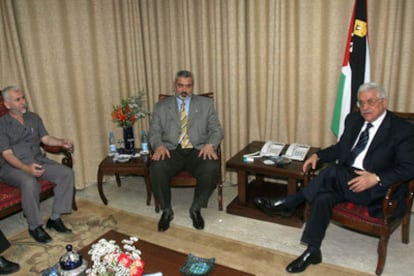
{"type": "Point", "coordinates": [22, 164]}
{"type": "Point", "coordinates": [191, 146]}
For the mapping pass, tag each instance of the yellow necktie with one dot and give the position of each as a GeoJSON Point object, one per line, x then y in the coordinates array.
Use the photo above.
{"type": "Point", "coordinates": [184, 140]}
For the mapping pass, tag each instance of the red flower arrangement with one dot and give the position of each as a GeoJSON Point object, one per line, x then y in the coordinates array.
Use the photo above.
{"type": "Point", "coordinates": [129, 110]}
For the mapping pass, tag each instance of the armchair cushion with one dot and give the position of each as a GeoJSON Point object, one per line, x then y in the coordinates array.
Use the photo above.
{"type": "Point", "coordinates": [10, 195]}
{"type": "Point", "coordinates": [356, 212]}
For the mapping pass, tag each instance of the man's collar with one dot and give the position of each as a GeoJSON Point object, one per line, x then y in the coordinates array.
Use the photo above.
{"type": "Point", "coordinates": [379, 120]}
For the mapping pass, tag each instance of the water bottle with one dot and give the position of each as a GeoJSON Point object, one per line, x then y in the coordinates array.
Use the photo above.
{"type": "Point", "coordinates": [112, 145]}
{"type": "Point", "coordinates": [144, 143]}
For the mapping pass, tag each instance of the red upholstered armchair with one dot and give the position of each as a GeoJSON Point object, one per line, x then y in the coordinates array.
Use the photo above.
{"type": "Point", "coordinates": [357, 218]}
{"type": "Point", "coordinates": [185, 179]}
{"type": "Point", "coordinates": [10, 197]}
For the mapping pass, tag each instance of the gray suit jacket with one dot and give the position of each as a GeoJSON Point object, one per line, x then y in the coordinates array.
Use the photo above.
{"type": "Point", "coordinates": [203, 124]}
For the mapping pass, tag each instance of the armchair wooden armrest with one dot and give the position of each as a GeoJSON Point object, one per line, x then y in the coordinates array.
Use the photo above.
{"type": "Point", "coordinates": [389, 204]}
{"type": "Point", "coordinates": [67, 154]}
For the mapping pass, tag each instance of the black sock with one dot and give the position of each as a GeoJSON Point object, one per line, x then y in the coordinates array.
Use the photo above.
{"type": "Point", "coordinates": [314, 249]}
{"type": "Point", "coordinates": [168, 210]}
{"type": "Point", "coordinates": [195, 207]}
{"type": "Point", "coordinates": [295, 200]}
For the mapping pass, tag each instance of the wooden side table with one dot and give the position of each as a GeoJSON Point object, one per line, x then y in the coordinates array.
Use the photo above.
{"type": "Point", "coordinates": [137, 165]}
{"type": "Point", "coordinates": [243, 204]}
{"type": "Point", "coordinates": [292, 172]}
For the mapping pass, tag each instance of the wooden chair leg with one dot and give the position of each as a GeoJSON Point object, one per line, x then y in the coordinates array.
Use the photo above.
{"type": "Point", "coordinates": [74, 206]}
{"type": "Point", "coordinates": [382, 254]}
{"type": "Point", "coordinates": [157, 205]}
{"type": "Point", "coordinates": [118, 179]}
{"type": "Point", "coordinates": [220, 196]}
{"type": "Point", "coordinates": [405, 228]}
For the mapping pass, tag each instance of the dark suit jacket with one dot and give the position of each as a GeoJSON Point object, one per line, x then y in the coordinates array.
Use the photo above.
{"type": "Point", "coordinates": [203, 124]}
{"type": "Point", "coordinates": [4, 243]}
{"type": "Point", "coordinates": [390, 154]}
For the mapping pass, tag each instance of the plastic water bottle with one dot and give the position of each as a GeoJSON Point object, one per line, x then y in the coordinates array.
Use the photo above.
{"type": "Point", "coordinates": [144, 143]}
{"type": "Point", "coordinates": [112, 145]}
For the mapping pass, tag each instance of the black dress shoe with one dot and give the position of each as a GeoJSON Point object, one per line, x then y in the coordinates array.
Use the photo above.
{"type": "Point", "coordinates": [8, 267]}
{"type": "Point", "coordinates": [304, 260]}
{"type": "Point", "coordinates": [165, 219]}
{"type": "Point", "coordinates": [198, 221]}
{"type": "Point", "coordinates": [273, 207]}
{"type": "Point", "coordinates": [40, 235]}
{"type": "Point", "coordinates": [58, 225]}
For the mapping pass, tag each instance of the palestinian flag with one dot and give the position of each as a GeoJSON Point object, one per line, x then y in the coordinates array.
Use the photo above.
{"type": "Point", "coordinates": [356, 68]}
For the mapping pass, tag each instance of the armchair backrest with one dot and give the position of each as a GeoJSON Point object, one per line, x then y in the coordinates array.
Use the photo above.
{"type": "Point", "coordinates": [208, 94]}
{"type": "Point", "coordinates": [409, 117]}
{"type": "Point", "coordinates": [3, 108]}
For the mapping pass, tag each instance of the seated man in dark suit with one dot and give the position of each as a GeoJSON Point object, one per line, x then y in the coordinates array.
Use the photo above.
{"type": "Point", "coordinates": [22, 163]}
{"type": "Point", "coordinates": [184, 134]}
{"type": "Point", "coordinates": [6, 266]}
{"type": "Point", "coordinates": [375, 150]}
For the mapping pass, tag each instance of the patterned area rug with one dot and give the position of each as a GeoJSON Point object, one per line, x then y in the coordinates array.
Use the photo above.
{"type": "Point", "coordinates": [93, 220]}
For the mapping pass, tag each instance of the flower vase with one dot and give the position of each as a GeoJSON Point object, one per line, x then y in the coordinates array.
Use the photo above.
{"type": "Point", "coordinates": [129, 140]}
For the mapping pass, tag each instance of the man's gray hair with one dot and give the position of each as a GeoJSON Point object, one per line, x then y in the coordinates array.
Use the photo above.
{"type": "Point", "coordinates": [184, 74]}
{"type": "Point", "coordinates": [382, 94]}
{"type": "Point", "coordinates": [5, 91]}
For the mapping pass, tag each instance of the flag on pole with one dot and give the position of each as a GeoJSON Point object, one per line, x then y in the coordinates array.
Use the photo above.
{"type": "Point", "coordinates": [355, 69]}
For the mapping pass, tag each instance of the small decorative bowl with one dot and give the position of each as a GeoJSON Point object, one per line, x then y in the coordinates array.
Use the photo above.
{"type": "Point", "coordinates": [72, 263]}
{"type": "Point", "coordinates": [123, 158]}
{"type": "Point", "coordinates": [196, 266]}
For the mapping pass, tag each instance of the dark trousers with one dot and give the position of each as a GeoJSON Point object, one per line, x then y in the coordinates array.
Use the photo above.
{"type": "Point", "coordinates": [4, 243]}
{"type": "Point", "coordinates": [205, 171]}
{"type": "Point", "coordinates": [323, 193]}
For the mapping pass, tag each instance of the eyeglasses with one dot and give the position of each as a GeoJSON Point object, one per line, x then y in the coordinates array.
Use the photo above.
{"type": "Point", "coordinates": [370, 102]}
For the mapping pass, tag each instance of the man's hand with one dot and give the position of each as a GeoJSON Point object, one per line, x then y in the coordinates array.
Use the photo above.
{"type": "Point", "coordinates": [312, 160]}
{"type": "Point", "coordinates": [67, 143]}
{"type": "Point", "coordinates": [208, 152]}
{"type": "Point", "coordinates": [35, 169]}
{"type": "Point", "coordinates": [160, 153]}
{"type": "Point", "coordinates": [363, 181]}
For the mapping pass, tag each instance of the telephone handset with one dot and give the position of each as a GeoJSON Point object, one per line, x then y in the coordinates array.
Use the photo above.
{"type": "Point", "coordinates": [272, 149]}
{"type": "Point", "coordinates": [297, 152]}
{"type": "Point", "coordinates": [269, 149]}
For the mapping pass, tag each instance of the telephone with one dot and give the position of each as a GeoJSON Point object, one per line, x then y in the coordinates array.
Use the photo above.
{"type": "Point", "coordinates": [269, 149]}
{"type": "Point", "coordinates": [297, 151]}
{"type": "Point", "coordinates": [272, 149]}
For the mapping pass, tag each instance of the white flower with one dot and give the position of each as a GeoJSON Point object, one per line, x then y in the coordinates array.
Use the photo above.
{"type": "Point", "coordinates": [109, 259]}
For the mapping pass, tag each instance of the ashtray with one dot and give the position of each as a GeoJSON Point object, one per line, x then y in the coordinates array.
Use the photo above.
{"type": "Point", "coordinates": [281, 160]}
{"type": "Point", "coordinates": [123, 158]}
{"type": "Point", "coordinates": [195, 266]}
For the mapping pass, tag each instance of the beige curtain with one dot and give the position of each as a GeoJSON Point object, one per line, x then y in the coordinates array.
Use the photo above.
{"type": "Point", "coordinates": [274, 65]}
